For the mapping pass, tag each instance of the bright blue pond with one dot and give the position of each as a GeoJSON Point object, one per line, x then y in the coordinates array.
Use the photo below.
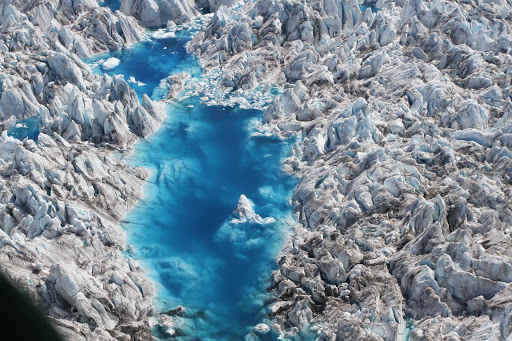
{"type": "Point", "coordinates": [145, 64]}
{"type": "Point", "coordinates": [202, 159]}
{"type": "Point", "coordinates": [114, 5]}
{"type": "Point", "coordinates": [369, 4]}
{"type": "Point", "coordinates": [26, 128]}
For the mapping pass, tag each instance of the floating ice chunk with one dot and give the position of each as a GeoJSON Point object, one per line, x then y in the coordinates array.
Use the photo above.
{"type": "Point", "coordinates": [97, 63]}
{"type": "Point", "coordinates": [244, 208]}
{"type": "Point", "coordinates": [171, 26]}
{"type": "Point", "coordinates": [245, 212]}
{"type": "Point", "coordinates": [262, 328]}
{"type": "Point", "coordinates": [246, 230]}
{"type": "Point", "coordinates": [110, 64]}
{"type": "Point", "coordinates": [132, 80]}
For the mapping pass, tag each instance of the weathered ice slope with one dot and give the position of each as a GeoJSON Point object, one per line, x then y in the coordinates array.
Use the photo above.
{"type": "Point", "coordinates": [156, 13]}
{"type": "Point", "coordinates": [63, 193]}
{"type": "Point", "coordinates": [405, 165]}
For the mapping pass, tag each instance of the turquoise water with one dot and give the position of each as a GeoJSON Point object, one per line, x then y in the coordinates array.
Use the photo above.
{"type": "Point", "coordinates": [114, 5]}
{"type": "Point", "coordinates": [27, 128]}
{"type": "Point", "coordinates": [369, 4]}
{"type": "Point", "coordinates": [201, 160]}
{"type": "Point", "coordinates": [145, 64]}
{"type": "Point", "coordinates": [409, 327]}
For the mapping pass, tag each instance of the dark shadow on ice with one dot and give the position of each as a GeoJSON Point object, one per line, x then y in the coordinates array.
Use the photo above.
{"type": "Point", "coordinates": [21, 318]}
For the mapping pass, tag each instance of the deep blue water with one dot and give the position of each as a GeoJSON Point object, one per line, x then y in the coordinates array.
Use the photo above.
{"type": "Point", "coordinates": [27, 128]}
{"type": "Point", "coordinates": [114, 5]}
{"type": "Point", "coordinates": [369, 4]}
{"type": "Point", "coordinates": [202, 159]}
{"type": "Point", "coordinates": [145, 64]}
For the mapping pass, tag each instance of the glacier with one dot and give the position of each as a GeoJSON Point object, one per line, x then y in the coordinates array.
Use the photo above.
{"type": "Point", "coordinates": [392, 116]}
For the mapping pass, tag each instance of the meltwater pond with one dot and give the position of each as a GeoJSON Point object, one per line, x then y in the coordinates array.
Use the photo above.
{"type": "Point", "coordinates": [114, 5]}
{"type": "Point", "coordinates": [27, 128]}
{"type": "Point", "coordinates": [184, 231]}
{"type": "Point", "coordinates": [202, 160]}
{"type": "Point", "coordinates": [147, 63]}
